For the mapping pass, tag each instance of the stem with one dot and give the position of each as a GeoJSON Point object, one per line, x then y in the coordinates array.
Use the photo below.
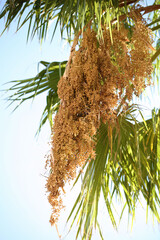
{"type": "Point", "coordinates": [146, 10]}
{"type": "Point", "coordinates": [155, 55]}
{"type": "Point", "coordinates": [75, 41]}
{"type": "Point", "coordinates": [123, 3]}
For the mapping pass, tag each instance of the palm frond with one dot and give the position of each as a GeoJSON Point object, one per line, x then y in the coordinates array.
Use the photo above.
{"type": "Point", "coordinates": [125, 171]}
{"type": "Point", "coordinates": [52, 106]}
{"type": "Point", "coordinates": [71, 15]}
{"type": "Point", "coordinates": [45, 81]}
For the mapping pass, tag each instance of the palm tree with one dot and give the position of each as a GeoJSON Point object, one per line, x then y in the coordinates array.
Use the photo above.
{"type": "Point", "coordinates": [127, 161]}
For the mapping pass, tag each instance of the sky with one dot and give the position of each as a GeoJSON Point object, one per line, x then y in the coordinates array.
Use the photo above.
{"type": "Point", "coordinates": [24, 209]}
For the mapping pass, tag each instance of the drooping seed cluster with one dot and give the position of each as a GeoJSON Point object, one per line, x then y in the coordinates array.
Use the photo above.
{"type": "Point", "coordinates": [102, 75]}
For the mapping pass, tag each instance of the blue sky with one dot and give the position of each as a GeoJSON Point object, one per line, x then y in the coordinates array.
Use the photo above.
{"type": "Point", "coordinates": [24, 209]}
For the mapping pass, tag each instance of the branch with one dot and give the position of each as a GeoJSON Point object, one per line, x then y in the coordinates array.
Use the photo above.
{"type": "Point", "coordinates": [149, 9]}
{"type": "Point", "coordinates": [155, 55]}
{"type": "Point", "coordinates": [123, 3]}
{"type": "Point", "coordinates": [146, 10]}
{"type": "Point", "coordinates": [75, 41]}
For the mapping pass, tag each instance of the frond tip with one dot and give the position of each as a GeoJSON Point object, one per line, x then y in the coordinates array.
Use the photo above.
{"type": "Point", "coordinates": [45, 81]}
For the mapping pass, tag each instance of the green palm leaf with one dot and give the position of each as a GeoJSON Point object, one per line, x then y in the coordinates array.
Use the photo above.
{"type": "Point", "coordinates": [45, 81]}
{"type": "Point", "coordinates": [124, 171]}
{"type": "Point", "coordinates": [71, 15]}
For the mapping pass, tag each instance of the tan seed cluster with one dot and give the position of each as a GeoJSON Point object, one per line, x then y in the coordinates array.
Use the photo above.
{"type": "Point", "coordinates": [102, 75]}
